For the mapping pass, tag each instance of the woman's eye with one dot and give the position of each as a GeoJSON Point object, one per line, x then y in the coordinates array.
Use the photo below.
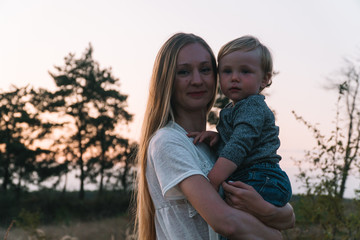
{"type": "Point", "coordinates": [206, 70]}
{"type": "Point", "coordinates": [182, 72]}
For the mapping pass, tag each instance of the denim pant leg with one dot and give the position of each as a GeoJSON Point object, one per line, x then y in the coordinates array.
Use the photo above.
{"type": "Point", "coordinates": [268, 180]}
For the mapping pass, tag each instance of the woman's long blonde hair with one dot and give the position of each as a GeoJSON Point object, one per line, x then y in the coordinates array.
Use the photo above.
{"type": "Point", "coordinates": [158, 113]}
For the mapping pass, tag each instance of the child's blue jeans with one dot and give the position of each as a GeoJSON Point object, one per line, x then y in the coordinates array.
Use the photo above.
{"type": "Point", "coordinates": [268, 179]}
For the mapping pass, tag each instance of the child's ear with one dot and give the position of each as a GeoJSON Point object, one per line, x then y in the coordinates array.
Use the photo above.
{"type": "Point", "coordinates": [266, 80]}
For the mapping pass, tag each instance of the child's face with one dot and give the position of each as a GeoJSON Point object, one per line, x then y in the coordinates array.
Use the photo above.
{"type": "Point", "coordinates": [241, 75]}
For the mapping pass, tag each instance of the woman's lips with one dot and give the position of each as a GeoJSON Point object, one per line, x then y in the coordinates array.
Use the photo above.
{"type": "Point", "coordinates": [197, 94]}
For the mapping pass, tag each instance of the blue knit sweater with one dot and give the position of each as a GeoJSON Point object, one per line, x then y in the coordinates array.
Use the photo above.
{"type": "Point", "coordinates": [248, 133]}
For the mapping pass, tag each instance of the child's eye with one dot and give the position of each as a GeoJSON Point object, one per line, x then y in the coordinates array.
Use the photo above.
{"type": "Point", "coordinates": [245, 71]}
{"type": "Point", "coordinates": [226, 71]}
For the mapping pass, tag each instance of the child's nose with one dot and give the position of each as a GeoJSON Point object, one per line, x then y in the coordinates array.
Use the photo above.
{"type": "Point", "coordinates": [235, 77]}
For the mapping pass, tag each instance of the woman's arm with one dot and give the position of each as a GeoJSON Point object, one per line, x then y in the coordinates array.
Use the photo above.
{"type": "Point", "coordinates": [225, 220]}
{"type": "Point", "coordinates": [244, 197]}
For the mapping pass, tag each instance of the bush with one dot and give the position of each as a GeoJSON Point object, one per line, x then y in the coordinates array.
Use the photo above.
{"type": "Point", "coordinates": [56, 207]}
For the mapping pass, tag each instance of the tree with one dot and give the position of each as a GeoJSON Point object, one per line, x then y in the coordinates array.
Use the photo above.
{"type": "Point", "coordinates": [109, 105]}
{"type": "Point", "coordinates": [20, 128]}
{"type": "Point", "coordinates": [331, 161]}
{"type": "Point", "coordinates": [128, 158]}
{"type": "Point", "coordinates": [89, 96]}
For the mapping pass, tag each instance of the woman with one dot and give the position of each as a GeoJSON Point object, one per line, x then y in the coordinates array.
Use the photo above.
{"type": "Point", "coordinates": [175, 199]}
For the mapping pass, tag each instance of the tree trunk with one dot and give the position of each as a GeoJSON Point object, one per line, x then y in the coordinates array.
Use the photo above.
{"type": "Point", "coordinates": [123, 179]}
{"type": "Point", "coordinates": [6, 180]}
{"type": "Point", "coordinates": [82, 172]}
{"type": "Point", "coordinates": [345, 174]}
{"type": "Point", "coordinates": [101, 176]}
{"type": "Point", "coordinates": [102, 163]}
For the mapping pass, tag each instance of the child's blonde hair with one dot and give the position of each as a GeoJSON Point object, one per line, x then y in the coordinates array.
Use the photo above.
{"type": "Point", "coordinates": [248, 43]}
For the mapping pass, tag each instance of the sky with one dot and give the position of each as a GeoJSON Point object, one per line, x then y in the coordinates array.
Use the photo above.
{"type": "Point", "coordinates": [308, 39]}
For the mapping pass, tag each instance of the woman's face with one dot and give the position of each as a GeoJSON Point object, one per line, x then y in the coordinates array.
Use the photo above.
{"type": "Point", "coordinates": [194, 84]}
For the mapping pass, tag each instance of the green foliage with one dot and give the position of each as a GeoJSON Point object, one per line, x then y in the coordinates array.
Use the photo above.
{"type": "Point", "coordinates": [353, 219]}
{"type": "Point", "coordinates": [53, 207]}
{"type": "Point", "coordinates": [29, 220]}
{"type": "Point", "coordinates": [325, 169]}
{"type": "Point", "coordinates": [8, 207]}
{"type": "Point", "coordinates": [327, 217]}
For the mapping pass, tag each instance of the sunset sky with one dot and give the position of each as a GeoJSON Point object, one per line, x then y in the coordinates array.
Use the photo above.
{"type": "Point", "coordinates": [309, 40]}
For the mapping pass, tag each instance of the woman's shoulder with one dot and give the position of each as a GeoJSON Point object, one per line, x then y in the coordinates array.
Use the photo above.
{"type": "Point", "coordinates": [171, 133]}
{"type": "Point", "coordinates": [172, 129]}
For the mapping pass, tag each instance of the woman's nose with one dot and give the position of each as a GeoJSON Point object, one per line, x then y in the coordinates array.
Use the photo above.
{"type": "Point", "coordinates": [196, 78]}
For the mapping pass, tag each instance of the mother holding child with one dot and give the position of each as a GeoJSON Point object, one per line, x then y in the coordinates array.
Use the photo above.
{"type": "Point", "coordinates": [175, 198]}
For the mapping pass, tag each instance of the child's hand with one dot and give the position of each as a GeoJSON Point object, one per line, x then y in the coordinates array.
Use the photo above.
{"type": "Point", "coordinates": [209, 137]}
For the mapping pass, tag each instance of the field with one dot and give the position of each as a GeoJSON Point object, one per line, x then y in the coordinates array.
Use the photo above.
{"type": "Point", "coordinates": [106, 229]}
{"type": "Point", "coordinates": [117, 228]}
{"type": "Point", "coordinates": [53, 216]}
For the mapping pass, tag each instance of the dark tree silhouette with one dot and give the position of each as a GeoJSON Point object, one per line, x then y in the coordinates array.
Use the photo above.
{"type": "Point", "coordinates": [20, 128]}
{"type": "Point", "coordinates": [128, 158]}
{"type": "Point", "coordinates": [90, 96]}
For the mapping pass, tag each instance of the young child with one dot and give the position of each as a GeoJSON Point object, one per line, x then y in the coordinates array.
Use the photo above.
{"type": "Point", "coordinates": [247, 138]}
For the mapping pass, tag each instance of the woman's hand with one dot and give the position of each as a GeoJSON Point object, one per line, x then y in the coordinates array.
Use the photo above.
{"type": "Point", "coordinates": [244, 197]}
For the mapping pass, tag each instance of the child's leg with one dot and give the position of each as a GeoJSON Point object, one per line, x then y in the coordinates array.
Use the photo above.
{"type": "Point", "coordinates": [268, 180]}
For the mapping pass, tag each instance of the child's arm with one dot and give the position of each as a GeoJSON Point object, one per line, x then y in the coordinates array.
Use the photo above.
{"type": "Point", "coordinates": [222, 169]}
{"type": "Point", "coordinates": [209, 137]}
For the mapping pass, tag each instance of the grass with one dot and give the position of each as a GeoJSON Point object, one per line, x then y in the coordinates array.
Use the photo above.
{"type": "Point", "coordinates": [54, 216]}
{"type": "Point", "coordinates": [115, 228]}
{"type": "Point", "coordinates": [118, 228]}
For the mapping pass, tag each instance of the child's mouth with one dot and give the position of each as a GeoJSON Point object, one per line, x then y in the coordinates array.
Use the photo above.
{"type": "Point", "coordinates": [234, 89]}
